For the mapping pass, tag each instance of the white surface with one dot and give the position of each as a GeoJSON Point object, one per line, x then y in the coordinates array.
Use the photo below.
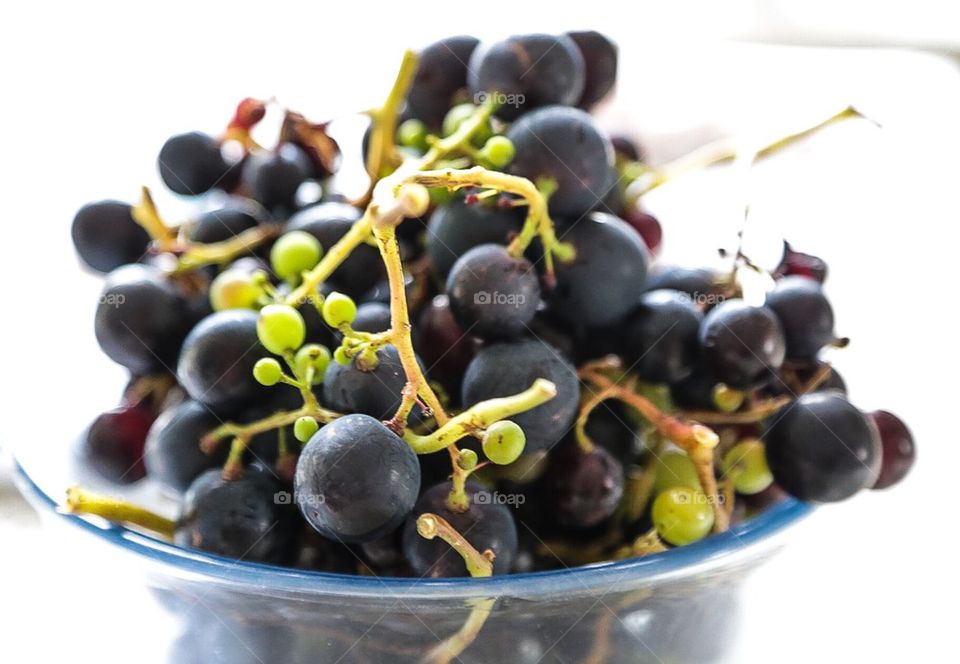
{"type": "Point", "coordinates": [90, 94]}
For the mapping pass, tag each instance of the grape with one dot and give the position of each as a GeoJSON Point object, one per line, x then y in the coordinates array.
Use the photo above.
{"type": "Point", "coordinates": [822, 449]}
{"type": "Point", "coordinates": [503, 442]}
{"type": "Point", "coordinates": [441, 72]}
{"type": "Point", "coordinates": [696, 391]}
{"type": "Point", "coordinates": [804, 313]}
{"type": "Point", "coordinates": [413, 133]}
{"type": "Point", "coordinates": [338, 309]}
{"type": "Point", "coordinates": [113, 444]}
{"type": "Point", "coordinates": [356, 480]}
{"type": "Point", "coordinates": [328, 222]}
{"type": "Point", "coordinates": [239, 215]}
{"type": "Point", "coordinates": [106, 236]}
{"type": "Point", "coordinates": [240, 519]}
{"type": "Point", "coordinates": [662, 336]}
{"type": "Point", "coordinates": [682, 516]}
{"type": "Point", "coordinates": [627, 148]}
{"type": "Point", "coordinates": [746, 462]}
{"type": "Point", "coordinates": [563, 144]}
{"type": "Point", "coordinates": [316, 356]}
{"type": "Point", "coordinates": [294, 253]}
{"type": "Point", "coordinates": [304, 428]}
{"type": "Point", "coordinates": [280, 328]}
{"type": "Point", "coordinates": [486, 525]}
{"type": "Point", "coordinates": [353, 388]}
{"type": "Point", "coordinates": [744, 345]}
{"type": "Point", "coordinates": [216, 363]}
{"type": "Point", "coordinates": [529, 71]}
{"type": "Point", "coordinates": [443, 344]}
{"type": "Point", "coordinates": [141, 319]}
{"type": "Point", "coordinates": [267, 371]}
{"type": "Point", "coordinates": [508, 368]}
{"type": "Point", "coordinates": [695, 282]}
{"type": "Point", "coordinates": [234, 288]}
{"type": "Point", "coordinates": [600, 62]}
{"type": "Point", "coordinates": [372, 317]}
{"type": "Point", "coordinates": [672, 469]}
{"type": "Point", "coordinates": [898, 449]}
{"type": "Point", "coordinates": [646, 225]}
{"type": "Point", "coordinates": [492, 294]}
{"type": "Point", "coordinates": [172, 454]}
{"type": "Point", "coordinates": [191, 164]}
{"type": "Point", "coordinates": [273, 177]}
{"type": "Point", "coordinates": [609, 427]}
{"type": "Point", "coordinates": [600, 286]}
{"type": "Point", "coordinates": [459, 114]}
{"type": "Point", "coordinates": [457, 227]}
{"type": "Point", "coordinates": [498, 151]}
{"type": "Point", "coordinates": [586, 487]}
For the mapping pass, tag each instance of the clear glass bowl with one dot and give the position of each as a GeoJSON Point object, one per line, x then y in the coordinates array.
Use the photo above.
{"type": "Point", "coordinates": [678, 606]}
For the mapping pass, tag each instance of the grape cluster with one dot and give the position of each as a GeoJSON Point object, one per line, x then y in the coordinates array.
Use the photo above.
{"type": "Point", "coordinates": [483, 339]}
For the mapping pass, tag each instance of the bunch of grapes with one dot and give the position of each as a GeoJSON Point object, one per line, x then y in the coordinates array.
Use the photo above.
{"type": "Point", "coordinates": [482, 338]}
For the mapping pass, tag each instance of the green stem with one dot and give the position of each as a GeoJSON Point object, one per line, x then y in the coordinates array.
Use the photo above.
{"type": "Point", "coordinates": [80, 501]}
{"type": "Point", "coordinates": [382, 152]}
{"type": "Point", "coordinates": [198, 254]}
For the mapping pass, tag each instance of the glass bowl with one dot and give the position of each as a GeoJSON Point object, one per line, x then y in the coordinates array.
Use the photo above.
{"type": "Point", "coordinates": [677, 606]}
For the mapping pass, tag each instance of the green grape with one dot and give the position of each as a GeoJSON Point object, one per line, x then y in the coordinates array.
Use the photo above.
{"type": "Point", "coordinates": [746, 463]}
{"type": "Point", "coordinates": [727, 399]}
{"type": "Point", "coordinates": [468, 459]}
{"type": "Point", "coordinates": [340, 356]}
{"type": "Point", "coordinates": [293, 253]}
{"type": "Point", "coordinates": [267, 371]}
{"type": "Point", "coordinates": [234, 289]}
{"type": "Point", "coordinates": [503, 442]}
{"type": "Point", "coordinates": [682, 515]}
{"type": "Point", "coordinates": [440, 195]}
{"type": "Point", "coordinates": [674, 469]}
{"type": "Point", "coordinates": [304, 428]}
{"type": "Point", "coordinates": [316, 355]}
{"type": "Point", "coordinates": [280, 328]}
{"type": "Point", "coordinates": [499, 151]}
{"type": "Point", "coordinates": [459, 114]}
{"type": "Point", "coordinates": [339, 309]}
{"type": "Point", "coordinates": [413, 134]}
{"type": "Point", "coordinates": [415, 198]}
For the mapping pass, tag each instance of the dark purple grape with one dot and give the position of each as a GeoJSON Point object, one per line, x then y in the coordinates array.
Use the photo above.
{"type": "Point", "coordinates": [443, 344]}
{"type": "Point", "coordinates": [646, 225]}
{"type": "Point", "coordinates": [743, 345]}
{"type": "Point", "coordinates": [492, 294]}
{"type": "Point", "coordinates": [626, 147]}
{"type": "Point", "coordinates": [528, 71]}
{"type": "Point", "coordinates": [508, 368]}
{"type": "Point", "coordinates": [585, 487]}
{"type": "Point", "coordinates": [356, 480]}
{"type": "Point", "coordinates": [662, 336]}
{"type": "Point", "coordinates": [191, 164]}
{"type": "Point", "coordinates": [245, 519]}
{"type": "Point", "coordinates": [600, 286]}
{"type": "Point", "coordinates": [376, 392]}
{"type": "Point", "coordinates": [273, 177]}
{"type": "Point", "coordinates": [486, 524]}
{"type": "Point", "coordinates": [226, 222]}
{"type": "Point", "coordinates": [172, 454]}
{"type": "Point", "coordinates": [600, 61]}
{"type": "Point", "coordinates": [141, 319]}
{"type": "Point", "coordinates": [805, 315]}
{"type": "Point", "coordinates": [216, 363]}
{"type": "Point", "coordinates": [113, 444]}
{"type": "Point", "coordinates": [698, 283]}
{"type": "Point", "coordinates": [822, 449]}
{"type": "Point", "coordinates": [441, 73]}
{"type": "Point", "coordinates": [106, 236]}
{"type": "Point", "coordinates": [563, 144]}
{"type": "Point", "coordinates": [899, 452]}
{"type": "Point", "coordinates": [372, 317]}
{"type": "Point", "coordinates": [457, 227]}
{"type": "Point", "coordinates": [696, 390]}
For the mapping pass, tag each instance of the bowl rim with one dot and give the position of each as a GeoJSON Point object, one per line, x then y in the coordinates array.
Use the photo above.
{"type": "Point", "coordinates": [745, 541]}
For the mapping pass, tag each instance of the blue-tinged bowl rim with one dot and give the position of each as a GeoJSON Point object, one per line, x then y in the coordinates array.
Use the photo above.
{"type": "Point", "coordinates": [744, 541]}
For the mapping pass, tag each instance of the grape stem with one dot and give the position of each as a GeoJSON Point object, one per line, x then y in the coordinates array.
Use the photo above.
{"type": "Point", "coordinates": [382, 151]}
{"type": "Point", "coordinates": [197, 254]}
{"type": "Point", "coordinates": [146, 214]}
{"type": "Point", "coordinates": [81, 501]}
{"type": "Point", "coordinates": [580, 429]}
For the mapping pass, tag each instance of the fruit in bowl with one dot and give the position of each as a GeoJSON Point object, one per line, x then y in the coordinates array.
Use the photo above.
{"type": "Point", "coordinates": [624, 408]}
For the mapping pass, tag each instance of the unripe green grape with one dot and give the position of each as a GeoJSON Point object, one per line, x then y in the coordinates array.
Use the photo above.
{"type": "Point", "coordinates": [468, 459]}
{"type": "Point", "coordinates": [727, 399]}
{"type": "Point", "coordinates": [682, 515]}
{"type": "Point", "coordinates": [280, 328]}
{"type": "Point", "coordinates": [498, 151]}
{"type": "Point", "coordinates": [316, 355]}
{"type": "Point", "coordinates": [293, 253]}
{"type": "Point", "coordinates": [267, 371]}
{"type": "Point", "coordinates": [459, 114]}
{"type": "Point", "coordinates": [503, 442]}
{"type": "Point", "coordinates": [746, 463]}
{"type": "Point", "coordinates": [440, 195]}
{"type": "Point", "coordinates": [234, 289]}
{"type": "Point", "coordinates": [413, 134]}
{"type": "Point", "coordinates": [340, 356]}
{"type": "Point", "coordinates": [338, 309]}
{"type": "Point", "coordinates": [415, 199]}
{"type": "Point", "coordinates": [674, 469]}
{"type": "Point", "coordinates": [304, 428]}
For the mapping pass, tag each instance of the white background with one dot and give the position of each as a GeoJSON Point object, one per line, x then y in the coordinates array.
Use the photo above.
{"type": "Point", "coordinates": [90, 92]}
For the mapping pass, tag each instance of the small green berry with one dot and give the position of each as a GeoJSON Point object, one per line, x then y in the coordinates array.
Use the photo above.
{"type": "Point", "coordinates": [280, 328]}
{"type": "Point", "coordinates": [234, 289]}
{"type": "Point", "coordinates": [468, 459]}
{"type": "Point", "coordinates": [340, 356]}
{"type": "Point", "coordinates": [304, 428]}
{"type": "Point", "coordinates": [746, 463]}
{"type": "Point", "coordinates": [503, 442]}
{"type": "Point", "coordinates": [674, 469]}
{"type": "Point", "coordinates": [682, 515]}
{"type": "Point", "coordinates": [440, 195]}
{"type": "Point", "coordinates": [293, 253]}
{"type": "Point", "coordinates": [313, 355]}
{"type": "Point", "coordinates": [338, 309]}
{"type": "Point", "coordinates": [267, 371]}
{"type": "Point", "coordinates": [412, 133]}
{"type": "Point", "coordinates": [459, 114]}
{"type": "Point", "coordinates": [727, 399]}
{"type": "Point", "coordinates": [415, 199]}
{"type": "Point", "coordinates": [499, 151]}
